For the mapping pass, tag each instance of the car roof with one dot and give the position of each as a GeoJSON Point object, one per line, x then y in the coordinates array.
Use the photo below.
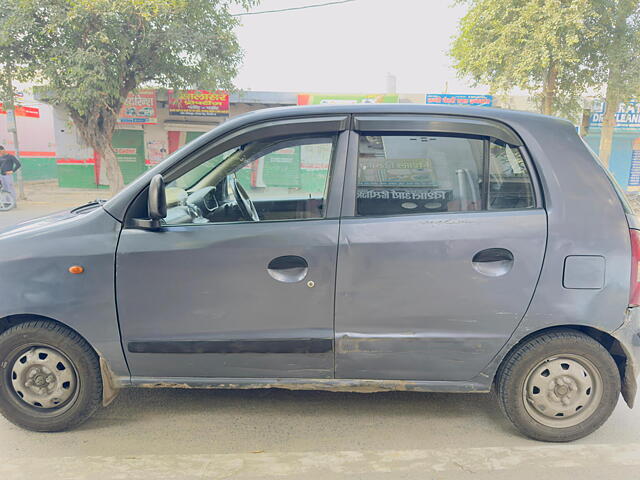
{"type": "Point", "coordinates": [386, 108]}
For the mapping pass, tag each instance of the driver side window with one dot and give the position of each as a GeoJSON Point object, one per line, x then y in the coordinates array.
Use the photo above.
{"type": "Point", "coordinates": [274, 179]}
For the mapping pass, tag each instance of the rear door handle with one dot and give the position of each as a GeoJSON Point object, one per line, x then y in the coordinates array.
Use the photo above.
{"type": "Point", "coordinates": [288, 268]}
{"type": "Point", "coordinates": [493, 262]}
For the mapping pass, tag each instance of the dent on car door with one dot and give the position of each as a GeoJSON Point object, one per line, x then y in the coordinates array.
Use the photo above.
{"type": "Point", "coordinates": [215, 293]}
{"type": "Point", "coordinates": [441, 244]}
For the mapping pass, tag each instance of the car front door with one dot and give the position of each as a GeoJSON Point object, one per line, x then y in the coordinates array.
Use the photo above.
{"type": "Point", "coordinates": [215, 294]}
{"type": "Point", "coordinates": [441, 244]}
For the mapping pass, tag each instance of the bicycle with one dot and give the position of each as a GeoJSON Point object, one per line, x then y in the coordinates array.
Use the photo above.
{"type": "Point", "coordinates": [6, 199]}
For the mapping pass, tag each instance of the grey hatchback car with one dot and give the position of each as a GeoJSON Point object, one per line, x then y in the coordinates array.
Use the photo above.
{"type": "Point", "coordinates": [349, 248]}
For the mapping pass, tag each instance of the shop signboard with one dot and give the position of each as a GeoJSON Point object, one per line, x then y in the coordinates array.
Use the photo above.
{"type": "Point", "coordinates": [139, 108]}
{"type": "Point", "coordinates": [124, 154]}
{"type": "Point", "coordinates": [627, 115]}
{"type": "Point", "coordinates": [200, 103]}
{"type": "Point", "coordinates": [20, 111]}
{"type": "Point", "coordinates": [345, 99]}
{"type": "Point", "coordinates": [156, 152]}
{"type": "Point", "coordinates": [451, 99]}
{"type": "Point", "coordinates": [634, 170]}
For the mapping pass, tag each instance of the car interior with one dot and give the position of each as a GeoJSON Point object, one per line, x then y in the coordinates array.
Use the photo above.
{"type": "Point", "coordinates": [402, 174]}
{"type": "Point", "coordinates": [218, 189]}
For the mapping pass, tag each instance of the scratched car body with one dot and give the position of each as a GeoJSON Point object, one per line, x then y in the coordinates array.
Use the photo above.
{"type": "Point", "coordinates": [355, 248]}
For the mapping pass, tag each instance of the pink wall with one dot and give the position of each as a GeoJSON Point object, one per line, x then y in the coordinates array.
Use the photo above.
{"type": "Point", "coordinates": [35, 135]}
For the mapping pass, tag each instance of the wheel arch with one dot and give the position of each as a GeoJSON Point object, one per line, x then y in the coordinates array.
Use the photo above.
{"type": "Point", "coordinates": [110, 384]}
{"type": "Point", "coordinates": [608, 341]}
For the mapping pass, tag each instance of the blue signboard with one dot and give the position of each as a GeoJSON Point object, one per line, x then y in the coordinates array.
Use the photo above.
{"type": "Point", "coordinates": [627, 115]}
{"type": "Point", "coordinates": [634, 172]}
{"type": "Point", "coordinates": [447, 99]}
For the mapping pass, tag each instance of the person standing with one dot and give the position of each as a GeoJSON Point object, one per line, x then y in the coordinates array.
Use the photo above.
{"type": "Point", "coordinates": [8, 166]}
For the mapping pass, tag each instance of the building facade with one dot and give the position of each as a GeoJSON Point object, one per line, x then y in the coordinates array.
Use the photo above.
{"type": "Point", "coordinates": [142, 141]}
{"type": "Point", "coordinates": [624, 162]}
{"type": "Point", "coordinates": [155, 123]}
{"type": "Point", "coordinates": [34, 121]}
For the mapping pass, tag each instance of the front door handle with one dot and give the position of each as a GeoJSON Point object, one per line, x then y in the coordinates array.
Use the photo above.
{"type": "Point", "coordinates": [288, 268]}
{"type": "Point", "coordinates": [493, 262]}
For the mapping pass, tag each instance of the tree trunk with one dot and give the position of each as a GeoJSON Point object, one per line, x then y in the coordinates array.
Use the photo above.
{"type": "Point", "coordinates": [584, 122]}
{"type": "Point", "coordinates": [108, 156]}
{"type": "Point", "coordinates": [612, 100]}
{"type": "Point", "coordinates": [96, 129]}
{"type": "Point", "coordinates": [549, 90]}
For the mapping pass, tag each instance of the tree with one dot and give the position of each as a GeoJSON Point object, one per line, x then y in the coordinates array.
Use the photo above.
{"type": "Point", "coordinates": [535, 45]}
{"type": "Point", "coordinates": [614, 60]}
{"type": "Point", "coordinates": [13, 57]}
{"type": "Point", "coordinates": [88, 55]}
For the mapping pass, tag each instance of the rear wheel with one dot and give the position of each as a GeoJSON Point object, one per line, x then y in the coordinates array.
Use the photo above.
{"type": "Point", "coordinates": [558, 386]}
{"type": "Point", "coordinates": [50, 377]}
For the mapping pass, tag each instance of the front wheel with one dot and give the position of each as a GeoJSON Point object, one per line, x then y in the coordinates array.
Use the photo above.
{"type": "Point", "coordinates": [558, 386]}
{"type": "Point", "coordinates": [50, 377]}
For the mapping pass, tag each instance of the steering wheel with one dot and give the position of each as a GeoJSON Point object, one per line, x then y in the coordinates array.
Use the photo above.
{"type": "Point", "coordinates": [246, 206]}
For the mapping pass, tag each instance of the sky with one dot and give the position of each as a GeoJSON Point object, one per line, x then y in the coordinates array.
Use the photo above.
{"type": "Point", "coordinates": [351, 47]}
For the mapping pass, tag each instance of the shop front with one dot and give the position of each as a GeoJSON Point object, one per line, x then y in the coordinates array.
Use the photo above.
{"type": "Point", "coordinates": [152, 124]}
{"type": "Point", "coordinates": [35, 131]}
{"type": "Point", "coordinates": [624, 162]}
{"type": "Point", "coordinates": [129, 148]}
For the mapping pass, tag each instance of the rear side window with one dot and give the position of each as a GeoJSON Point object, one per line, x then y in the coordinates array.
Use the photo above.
{"type": "Point", "coordinates": [509, 181]}
{"type": "Point", "coordinates": [406, 174]}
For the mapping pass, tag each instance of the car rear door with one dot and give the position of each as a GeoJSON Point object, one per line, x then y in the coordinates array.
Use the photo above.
{"type": "Point", "coordinates": [442, 240]}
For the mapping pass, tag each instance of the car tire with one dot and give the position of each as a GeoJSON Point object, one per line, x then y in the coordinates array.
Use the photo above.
{"type": "Point", "coordinates": [558, 386]}
{"type": "Point", "coordinates": [50, 377]}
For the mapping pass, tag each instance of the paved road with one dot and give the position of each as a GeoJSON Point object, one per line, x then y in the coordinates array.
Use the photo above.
{"type": "Point", "coordinates": [205, 434]}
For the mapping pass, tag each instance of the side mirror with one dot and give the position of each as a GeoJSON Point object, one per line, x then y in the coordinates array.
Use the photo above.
{"type": "Point", "coordinates": [157, 201]}
{"type": "Point", "coordinates": [156, 206]}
